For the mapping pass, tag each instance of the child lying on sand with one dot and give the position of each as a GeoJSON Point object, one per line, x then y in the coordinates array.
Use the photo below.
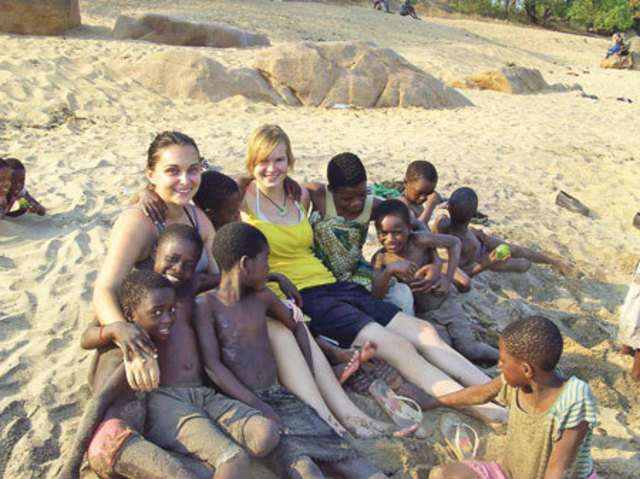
{"type": "Point", "coordinates": [232, 331]}
{"type": "Point", "coordinates": [409, 257]}
{"type": "Point", "coordinates": [551, 417]}
{"type": "Point", "coordinates": [479, 249]}
{"type": "Point", "coordinates": [149, 300]}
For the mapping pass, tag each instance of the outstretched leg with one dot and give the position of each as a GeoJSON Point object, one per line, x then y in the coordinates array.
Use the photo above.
{"type": "Point", "coordinates": [358, 468]}
{"type": "Point", "coordinates": [305, 468]}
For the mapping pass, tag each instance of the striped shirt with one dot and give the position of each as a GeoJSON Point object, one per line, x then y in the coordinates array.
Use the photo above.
{"type": "Point", "coordinates": [531, 437]}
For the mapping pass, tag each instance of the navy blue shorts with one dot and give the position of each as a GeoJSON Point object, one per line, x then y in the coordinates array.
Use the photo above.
{"type": "Point", "coordinates": [340, 310]}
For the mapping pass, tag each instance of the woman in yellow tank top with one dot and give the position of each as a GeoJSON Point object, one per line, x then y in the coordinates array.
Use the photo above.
{"type": "Point", "coordinates": [347, 310]}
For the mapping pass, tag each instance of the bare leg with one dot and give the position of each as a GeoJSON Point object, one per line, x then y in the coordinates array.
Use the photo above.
{"type": "Point", "coordinates": [399, 350]}
{"type": "Point", "coordinates": [635, 370]}
{"type": "Point", "coordinates": [234, 468]}
{"type": "Point", "coordinates": [305, 468]}
{"type": "Point", "coordinates": [141, 458]}
{"type": "Point", "coordinates": [357, 469]}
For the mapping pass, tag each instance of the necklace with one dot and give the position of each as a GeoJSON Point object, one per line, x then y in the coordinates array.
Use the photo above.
{"type": "Point", "coordinates": [280, 210]}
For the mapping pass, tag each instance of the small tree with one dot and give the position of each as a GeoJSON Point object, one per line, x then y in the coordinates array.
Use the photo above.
{"type": "Point", "coordinates": [602, 15]}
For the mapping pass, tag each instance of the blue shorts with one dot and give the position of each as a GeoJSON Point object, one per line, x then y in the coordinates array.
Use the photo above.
{"type": "Point", "coordinates": [340, 310]}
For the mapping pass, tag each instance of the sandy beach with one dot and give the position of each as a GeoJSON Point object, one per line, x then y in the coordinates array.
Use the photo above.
{"type": "Point", "coordinates": [82, 131]}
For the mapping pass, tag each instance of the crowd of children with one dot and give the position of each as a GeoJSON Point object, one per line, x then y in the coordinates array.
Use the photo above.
{"type": "Point", "coordinates": [219, 397]}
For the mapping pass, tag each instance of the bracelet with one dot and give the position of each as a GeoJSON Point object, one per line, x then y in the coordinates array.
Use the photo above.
{"type": "Point", "coordinates": [102, 341]}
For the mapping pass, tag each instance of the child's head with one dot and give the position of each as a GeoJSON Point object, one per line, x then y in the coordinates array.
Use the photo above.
{"type": "Point", "coordinates": [5, 178]}
{"type": "Point", "coordinates": [242, 247]}
{"type": "Point", "coordinates": [347, 181]}
{"type": "Point", "coordinates": [262, 142]}
{"type": "Point", "coordinates": [219, 197]}
{"type": "Point", "coordinates": [148, 300]}
{"type": "Point", "coordinates": [178, 252]}
{"type": "Point", "coordinates": [18, 176]}
{"type": "Point", "coordinates": [529, 345]}
{"type": "Point", "coordinates": [463, 205]}
{"type": "Point", "coordinates": [420, 181]}
{"type": "Point", "coordinates": [393, 224]}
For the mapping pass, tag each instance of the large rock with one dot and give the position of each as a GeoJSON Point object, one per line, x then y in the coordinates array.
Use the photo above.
{"type": "Point", "coordinates": [174, 31]}
{"type": "Point", "coordinates": [506, 80]}
{"type": "Point", "coordinates": [620, 62]}
{"type": "Point", "coordinates": [189, 75]}
{"type": "Point", "coordinates": [356, 74]}
{"type": "Point", "coordinates": [38, 17]}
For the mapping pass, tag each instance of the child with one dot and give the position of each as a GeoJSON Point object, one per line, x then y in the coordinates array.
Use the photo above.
{"type": "Point", "coordinates": [409, 257]}
{"type": "Point", "coordinates": [419, 194]}
{"type": "Point", "coordinates": [629, 329]}
{"type": "Point", "coordinates": [181, 394]}
{"type": "Point", "coordinates": [219, 197]}
{"type": "Point", "coordinates": [5, 184]}
{"type": "Point", "coordinates": [18, 192]}
{"type": "Point", "coordinates": [551, 417]}
{"type": "Point", "coordinates": [340, 226]}
{"type": "Point", "coordinates": [232, 332]}
{"type": "Point", "coordinates": [406, 8]}
{"type": "Point", "coordinates": [479, 249]}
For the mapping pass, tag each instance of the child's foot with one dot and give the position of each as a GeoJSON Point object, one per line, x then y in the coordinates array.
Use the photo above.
{"type": "Point", "coordinates": [345, 370]}
{"type": "Point", "coordinates": [565, 269]}
{"type": "Point", "coordinates": [367, 351]}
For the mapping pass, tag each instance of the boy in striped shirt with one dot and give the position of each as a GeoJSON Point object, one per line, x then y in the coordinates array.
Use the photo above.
{"type": "Point", "coordinates": [551, 417]}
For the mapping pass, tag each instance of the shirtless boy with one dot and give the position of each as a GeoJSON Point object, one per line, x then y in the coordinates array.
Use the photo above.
{"type": "Point", "coordinates": [479, 249]}
{"type": "Point", "coordinates": [232, 331]}
{"type": "Point", "coordinates": [181, 394]}
{"type": "Point", "coordinates": [408, 256]}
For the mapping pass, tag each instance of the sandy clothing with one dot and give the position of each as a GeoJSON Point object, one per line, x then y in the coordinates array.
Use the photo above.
{"type": "Point", "coordinates": [629, 327]}
{"type": "Point", "coordinates": [187, 420]}
{"type": "Point", "coordinates": [445, 312]}
{"type": "Point", "coordinates": [531, 437]}
{"type": "Point", "coordinates": [308, 434]}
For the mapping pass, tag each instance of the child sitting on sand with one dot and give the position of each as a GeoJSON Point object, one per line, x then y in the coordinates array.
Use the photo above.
{"type": "Point", "coordinates": [18, 192]}
{"type": "Point", "coordinates": [551, 417]}
{"type": "Point", "coordinates": [479, 249]}
{"type": "Point", "coordinates": [409, 257]}
{"type": "Point", "coordinates": [629, 327]}
{"type": "Point", "coordinates": [232, 332]}
{"type": "Point", "coordinates": [420, 194]}
{"type": "Point", "coordinates": [181, 394]}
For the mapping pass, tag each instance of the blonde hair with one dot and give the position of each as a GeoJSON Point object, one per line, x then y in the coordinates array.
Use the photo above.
{"type": "Point", "coordinates": [262, 142]}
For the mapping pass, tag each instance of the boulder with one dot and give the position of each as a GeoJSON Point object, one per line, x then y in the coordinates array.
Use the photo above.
{"type": "Point", "coordinates": [620, 62]}
{"type": "Point", "coordinates": [358, 74]}
{"type": "Point", "coordinates": [189, 75]}
{"type": "Point", "coordinates": [174, 31]}
{"type": "Point", "coordinates": [38, 17]}
{"type": "Point", "coordinates": [510, 79]}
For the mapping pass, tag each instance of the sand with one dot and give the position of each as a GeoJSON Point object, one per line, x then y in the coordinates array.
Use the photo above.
{"type": "Point", "coordinates": [82, 133]}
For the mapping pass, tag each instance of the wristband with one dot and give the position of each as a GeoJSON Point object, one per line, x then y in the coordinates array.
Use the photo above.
{"type": "Point", "coordinates": [100, 338]}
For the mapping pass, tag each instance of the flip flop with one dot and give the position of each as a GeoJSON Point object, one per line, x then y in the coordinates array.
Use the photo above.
{"type": "Point", "coordinates": [461, 438]}
{"type": "Point", "coordinates": [636, 220]}
{"type": "Point", "coordinates": [570, 203]}
{"type": "Point", "coordinates": [402, 410]}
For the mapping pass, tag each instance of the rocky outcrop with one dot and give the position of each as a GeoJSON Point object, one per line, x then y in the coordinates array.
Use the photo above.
{"type": "Point", "coordinates": [357, 74]}
{"type": "Point", "coordinates": [511, 79]}
{"type": "Point", "coordinates": [190, 75]}
{"type": "Point", "coordinates": [38, 17]}
{"type": "Point", "coordinates": [620, 62]}
{"type": "Point", "coordinates": [174, 31]}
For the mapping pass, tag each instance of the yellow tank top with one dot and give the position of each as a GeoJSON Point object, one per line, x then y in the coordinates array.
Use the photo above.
{"type": "Point", "coordinates": [290, 252]}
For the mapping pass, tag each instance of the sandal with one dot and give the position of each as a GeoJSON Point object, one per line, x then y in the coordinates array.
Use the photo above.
{"type": "Point", "coordinates": [402, 410]}
{"type": "Point", "coordinates": [456, 435]}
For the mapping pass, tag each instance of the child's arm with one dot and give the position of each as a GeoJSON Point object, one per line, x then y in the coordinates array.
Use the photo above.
{"type": "Point", "coordinates": [151, 204]}
{"type": "Point", "coordinates": [473, 395]}
{"type": "Point", "coordinates": [433, 200]}
{"type": "Point", "coordinates": [96, 336]}
{"type": "Point", "coordinates": [317, 193]}
{"type": "Point", "coordinates": [382, 273]}
{"type": "Point", "coordinates": [222, 376]}
{"type": "Point", "coordinates": [277, 310]}
{"type": "Point", "coordinates": [287, 287]}
{"type": "Point", "coordinates": [453, 246]}
{"type": "Point", "coordinates": [23, 207]}
{"type": "Point", "coordinates": [564, 451]}
{"type": "Point", "coordinates": [34, 206]}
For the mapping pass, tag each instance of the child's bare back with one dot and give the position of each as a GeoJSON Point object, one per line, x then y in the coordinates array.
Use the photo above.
{"type": "Point", "coordinates": [470, 244]}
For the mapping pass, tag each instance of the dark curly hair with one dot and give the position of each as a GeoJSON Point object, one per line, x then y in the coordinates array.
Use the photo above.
{"type": "Point", "coordinates": [214, 188]}
{"type": "Point", "coordinates": [182, 232]}
{"type": "Point", "coordinates": [421, 169]}
{"type": "Point", "coordinates": [137, 285]}
{"type": "Point", "coordinates": [535, 340]}
{"type": "Point", "coordinates": [235, 240]}
{"type": "Point", "coordinates": [463, 205]}
{"type": "Point", "coordinates": [345, 169]}
{"type": "Point", "coordinates": [394, 208]}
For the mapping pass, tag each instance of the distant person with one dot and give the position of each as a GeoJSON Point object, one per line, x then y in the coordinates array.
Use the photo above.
{"type": "Point", "coordinates": [406, 8]}
{"type": "Point", "coordinates": [381, 5]}
{"type": "Point", "coordinates": [551, 417]}
{"type": "Point", "coordinates": [18, 193]}
{"type": "Point", "coordinates": [618, 46]}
